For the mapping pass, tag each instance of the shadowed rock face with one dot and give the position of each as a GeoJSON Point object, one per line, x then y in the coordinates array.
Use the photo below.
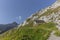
{"type": "Point", "coordinates": [39, 21]}
{"type": "Point", "coordinates": [6, 27]}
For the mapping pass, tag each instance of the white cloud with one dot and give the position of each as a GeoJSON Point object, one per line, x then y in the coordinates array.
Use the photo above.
{"type": "Point", "coordinates": [19, 17]}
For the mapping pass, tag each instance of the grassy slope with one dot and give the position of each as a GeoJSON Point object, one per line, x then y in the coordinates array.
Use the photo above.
{"type": "Point", "coordinates": [39, 32]}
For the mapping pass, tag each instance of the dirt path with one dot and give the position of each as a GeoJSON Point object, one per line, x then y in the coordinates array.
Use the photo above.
{"type": "Point", "coordinates": [53, 37]}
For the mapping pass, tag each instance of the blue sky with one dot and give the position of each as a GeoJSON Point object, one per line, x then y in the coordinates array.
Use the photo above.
{"type": "Point", "coordinates": [19, 10]}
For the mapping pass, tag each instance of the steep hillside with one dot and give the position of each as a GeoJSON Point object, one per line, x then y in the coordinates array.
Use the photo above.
{"type": "Point", "coordinates": [29, 32]}
{"type": "Point", "coordinates": [43, 25]}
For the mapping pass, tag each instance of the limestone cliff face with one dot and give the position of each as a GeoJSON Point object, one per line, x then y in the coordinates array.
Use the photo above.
{"type": "Point", "coordinates": [49, 14]}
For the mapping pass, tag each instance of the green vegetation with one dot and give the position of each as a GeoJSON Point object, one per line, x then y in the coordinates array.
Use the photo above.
{"type": "Point", "coordinates": [59, 19]}
{"type": "Point", "coordinates": [50, 11]}
{"type": "Point", "coordinates": [28, 19]}
{"type": "Point", "coordinates": [57, 33]}
{"type": "Point", "coordinates": [36, 14]}
{"type": "Point", "coordinates": [39, 32]}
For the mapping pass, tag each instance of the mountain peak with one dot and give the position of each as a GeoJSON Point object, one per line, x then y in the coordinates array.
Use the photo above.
{"type": "Point", "coordinates": [15, 23]}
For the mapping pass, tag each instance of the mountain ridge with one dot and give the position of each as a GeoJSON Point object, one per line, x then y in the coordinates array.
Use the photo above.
{"type": "Point", "coordinates": [6, 27]}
